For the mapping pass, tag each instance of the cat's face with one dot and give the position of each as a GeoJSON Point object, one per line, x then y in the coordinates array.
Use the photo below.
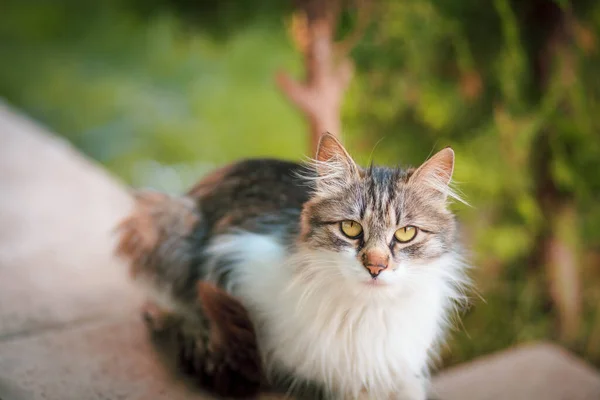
{"type": "Point", "coordinates": [381, 222]}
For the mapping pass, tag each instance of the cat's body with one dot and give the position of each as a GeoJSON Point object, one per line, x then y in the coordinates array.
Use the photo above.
{"type": "Point", "coordinates": [334, 315]}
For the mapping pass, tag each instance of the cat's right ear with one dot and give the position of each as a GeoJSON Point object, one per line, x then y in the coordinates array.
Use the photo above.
{"type": "Point", "coordinates": [333, 159]}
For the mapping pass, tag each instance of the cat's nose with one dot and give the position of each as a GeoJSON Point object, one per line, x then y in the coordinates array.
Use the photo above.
{"type": "Point", "coordinates": [375, 270]}
{"type": "Point", "coordinates": [375, 262]}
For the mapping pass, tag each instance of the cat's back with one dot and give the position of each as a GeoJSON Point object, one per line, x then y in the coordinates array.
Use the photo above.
{"type": "Point", "coordinates": [238, 194]}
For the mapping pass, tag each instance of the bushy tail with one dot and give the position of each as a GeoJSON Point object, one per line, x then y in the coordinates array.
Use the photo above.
{"type": "Point", "coordinates": [216, 342]}
{"type": "Point", "coordinates": [160, 240]}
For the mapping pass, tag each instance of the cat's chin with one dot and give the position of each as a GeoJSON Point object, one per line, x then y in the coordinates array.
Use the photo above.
{"type": "Point", "coordinates": [375, 283]}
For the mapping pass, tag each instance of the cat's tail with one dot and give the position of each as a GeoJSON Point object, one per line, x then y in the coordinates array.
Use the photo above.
{"type": "Point", "coordinates": [161, 239]}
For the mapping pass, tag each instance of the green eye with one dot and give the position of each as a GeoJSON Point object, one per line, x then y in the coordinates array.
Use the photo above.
{"type": "Point", "coordinates": [352, 229]}
{"type": "Point", "coordinates": [406, 234]}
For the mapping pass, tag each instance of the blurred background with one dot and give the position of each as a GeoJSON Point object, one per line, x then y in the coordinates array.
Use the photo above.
{"type": "Point", "coordinates": [161, 91]}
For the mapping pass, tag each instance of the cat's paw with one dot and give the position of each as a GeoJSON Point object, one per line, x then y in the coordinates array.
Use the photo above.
{"type": "Point", "coordinates": [157, 320]}
{"type": "Point", "coordinates": [414, 389]}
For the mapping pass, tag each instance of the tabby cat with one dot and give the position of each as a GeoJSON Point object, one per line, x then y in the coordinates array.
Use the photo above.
{"type": "Point", "coordinates": [321, 280]}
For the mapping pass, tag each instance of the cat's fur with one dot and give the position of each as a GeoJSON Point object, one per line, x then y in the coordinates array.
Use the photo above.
{"type": "Point", "coordinates": [267, 233]}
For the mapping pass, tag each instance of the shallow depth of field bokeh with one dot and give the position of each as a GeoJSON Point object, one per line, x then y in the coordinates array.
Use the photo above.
{"type": "Point", "coordinates": [161, 91]}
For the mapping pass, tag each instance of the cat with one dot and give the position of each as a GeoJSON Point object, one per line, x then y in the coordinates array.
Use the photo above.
{"type": "Point", "coordinates": [320, 279]}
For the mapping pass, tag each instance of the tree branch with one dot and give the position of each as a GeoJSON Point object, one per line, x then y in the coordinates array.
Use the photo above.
{"type": "Point", "coordinates": [364, 10]}
{"type": "Point", "coordinates": [298, 93]}
{"type": "Point", "coordinates": [320, 96]}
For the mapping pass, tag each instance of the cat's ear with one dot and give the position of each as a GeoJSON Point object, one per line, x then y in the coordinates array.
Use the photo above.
{"type": "Point", "coordinates": [332, 155]}
{"type": "Point", "coordinates": [436, 173]}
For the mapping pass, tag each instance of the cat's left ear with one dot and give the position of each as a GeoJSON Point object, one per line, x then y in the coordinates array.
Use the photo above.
{"type": "Point", "coordinates": [332, 157]}
{"type": "Point", "coordinates": [436, 173]}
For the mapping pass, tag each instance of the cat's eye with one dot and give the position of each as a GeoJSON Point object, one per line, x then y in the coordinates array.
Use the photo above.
{"type": "Point", "coordinates": [352, 229]}
{"type": "Point", "coordinates": [406, 234]}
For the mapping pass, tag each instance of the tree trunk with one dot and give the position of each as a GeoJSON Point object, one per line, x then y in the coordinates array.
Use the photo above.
{"type": "Point", "coordinates": [320, 96]}
{"type": "Point", "coordinates": [557, 245]}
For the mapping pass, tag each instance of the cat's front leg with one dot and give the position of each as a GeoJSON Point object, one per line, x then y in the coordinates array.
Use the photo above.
{"type": "Point", "coordinates": [412, 387]}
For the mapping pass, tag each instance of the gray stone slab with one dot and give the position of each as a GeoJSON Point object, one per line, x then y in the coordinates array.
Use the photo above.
{"type": "Point", "coordinates": [112, 360]}
{"type": "Point", "coordinates": [541, 371]}
{"type": "Point", "coordinates": [57, 210]}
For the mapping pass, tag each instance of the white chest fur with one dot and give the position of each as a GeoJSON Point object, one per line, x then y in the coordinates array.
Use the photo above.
{"type": "Point", "coordinates": [324, 327]}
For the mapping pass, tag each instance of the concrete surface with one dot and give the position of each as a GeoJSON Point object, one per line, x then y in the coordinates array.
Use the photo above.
{"type": "Point", "coordinates": [100, 360]}
{"type": "Point", "coordinates": [56, 214]}
{"type": "Point", "coordinates": [69, 326]}
{"type": "Point", "coordinates": [69, 322]}
{"type": "Point", "coordinates": [537, 371]}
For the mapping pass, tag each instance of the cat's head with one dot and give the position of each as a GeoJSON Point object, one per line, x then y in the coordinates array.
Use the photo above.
{"type": "Point", "coordinates": [382, 222]}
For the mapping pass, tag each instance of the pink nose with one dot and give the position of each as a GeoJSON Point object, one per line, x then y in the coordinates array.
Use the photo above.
{"type": "Point", "coordinates": [375, 262]}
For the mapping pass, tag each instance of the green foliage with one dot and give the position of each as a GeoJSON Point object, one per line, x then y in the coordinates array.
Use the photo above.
{"type": "Point", "coordinates": [140, 93]}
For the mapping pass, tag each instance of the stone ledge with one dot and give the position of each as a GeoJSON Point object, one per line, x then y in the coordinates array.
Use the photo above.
{"type": "Point", "coordinates": [57, 213]}
{"type": "Point", "coordinates": [537, 371]}
{"type": "Point", "coordinates": [113, 359]}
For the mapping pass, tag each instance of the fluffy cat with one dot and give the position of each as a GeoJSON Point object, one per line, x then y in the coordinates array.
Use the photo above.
{"type": "Point", "coordinates": [324, 280]}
